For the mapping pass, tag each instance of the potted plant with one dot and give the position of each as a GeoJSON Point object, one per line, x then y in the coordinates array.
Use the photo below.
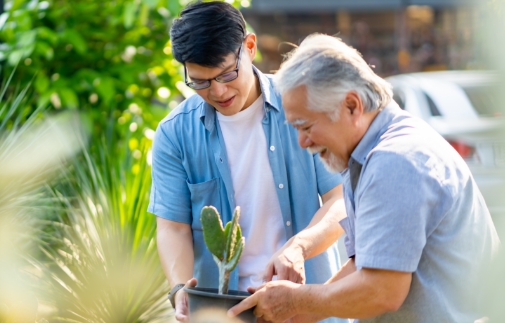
{"type": "Point", "coordinates": [226, 245]}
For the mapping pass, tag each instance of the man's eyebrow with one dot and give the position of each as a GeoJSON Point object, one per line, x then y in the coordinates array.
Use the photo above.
{"type": "Point", "coordinates": [223, 71]}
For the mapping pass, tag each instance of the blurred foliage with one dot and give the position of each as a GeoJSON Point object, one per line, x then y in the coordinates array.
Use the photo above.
{"type": "Point", "coordinates": [80, 248]}
{"type": "Point", "coordinates": [32, 151]}
{"type": "Point", "coordinates": [101, 262]}
{"type": "Point", "coordinates": [111, 59]}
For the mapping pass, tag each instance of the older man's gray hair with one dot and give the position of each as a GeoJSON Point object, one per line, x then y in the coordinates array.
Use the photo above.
{"type": "Point", "coordinates": [330, 69]}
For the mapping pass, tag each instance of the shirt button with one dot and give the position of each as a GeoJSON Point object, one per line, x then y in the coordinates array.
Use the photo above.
{"type": "Point", "coordinates": [281, 185]}
{"type": "Point", "coordinates": [288, 223]}
{"type": "Point", "coordinates": [272, 148]}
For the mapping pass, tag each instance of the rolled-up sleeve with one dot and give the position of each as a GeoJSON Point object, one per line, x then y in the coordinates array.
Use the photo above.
{"type": "Point", "coordinates": [170, 196]}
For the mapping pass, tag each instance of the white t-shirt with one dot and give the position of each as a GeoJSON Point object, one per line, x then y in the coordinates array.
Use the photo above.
{"type": "Point", "coordinates": [255, 193]}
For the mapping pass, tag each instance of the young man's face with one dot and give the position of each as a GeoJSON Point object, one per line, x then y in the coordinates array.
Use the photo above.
{"type": "Point", "coordinates": [231, 97]}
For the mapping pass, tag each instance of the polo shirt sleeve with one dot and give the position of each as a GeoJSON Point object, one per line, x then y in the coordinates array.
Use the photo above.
{"type": "Point", "coordinates": [396, 201]}
{"type": "Point", "coordinates": [170, 197]}
{"type": "Point", "coordinates": [325, 180]}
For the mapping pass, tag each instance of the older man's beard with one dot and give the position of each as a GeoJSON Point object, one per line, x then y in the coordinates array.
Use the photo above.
{"type": "Point", "coordinates": [331, 162]}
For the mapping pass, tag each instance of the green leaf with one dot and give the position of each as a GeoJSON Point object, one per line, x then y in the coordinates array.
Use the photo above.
{"type": "Point", "coordinates": [150, 3]}
{"type": "Point", "coordinates": [213, 233]}
{"type": "Point", "coordinates": [16, 4]}
{"type": "Point", "coordinates": [44, 50]}
{"type": "Point", "coordinates": [129, 14]}
{"type": "Point", "coordinates": [174, 7]}
{"type": "Point", "coordinates": [3, 18]}
{"type": "Point", "coordinates": [26, 38]}
{"type": "Point", "coordinates": [44, 99]}
{"type": "Point", "coordinates": [45, 33]}
{"type": "Point", "coordinates": [106, 89]}
{"type": "Point", "coordinates": [28, 50]}
{"type": "Point", "coordinates": [15, 57]}
{"type": "Point", "coordinates": [41, 83]}
{"type": "Point", "coordinates": [74, 37]}
{"type": "Point", "coordinates": [69, 98]}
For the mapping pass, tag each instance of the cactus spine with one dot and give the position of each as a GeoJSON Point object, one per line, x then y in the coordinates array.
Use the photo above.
{"type": "Point", "coordinates": [225, 244]}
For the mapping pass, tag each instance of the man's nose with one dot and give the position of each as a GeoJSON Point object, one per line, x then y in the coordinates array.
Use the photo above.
{"type": "Point", "coordinates": [217, 89]}
{"type": "Point", "coordinates": [303, 140]}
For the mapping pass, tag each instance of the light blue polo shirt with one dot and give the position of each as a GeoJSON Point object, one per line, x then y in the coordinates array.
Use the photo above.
{"type": "Point", "coordinates": [190, 170]}
{"type": "Point", "coordinates": [413, 206]}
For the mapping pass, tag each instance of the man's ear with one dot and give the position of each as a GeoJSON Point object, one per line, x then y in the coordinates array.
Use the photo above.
{"type": "Point", "coordinates": [250, 45]}
{"type": "Point", "coordinates": [353, 104]}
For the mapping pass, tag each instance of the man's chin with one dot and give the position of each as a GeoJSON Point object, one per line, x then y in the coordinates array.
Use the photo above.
{"type": "Point", "coordinates": [333, 164]}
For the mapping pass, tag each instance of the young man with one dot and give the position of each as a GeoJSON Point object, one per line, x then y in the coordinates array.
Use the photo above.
{"type": "Point", "coordinates": [418, 230]}
{"type": "Point", "coordinates": [229, 146]}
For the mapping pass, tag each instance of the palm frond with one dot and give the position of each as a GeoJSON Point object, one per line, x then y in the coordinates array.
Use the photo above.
{"type": "Point", "coordinates": [106, 268]}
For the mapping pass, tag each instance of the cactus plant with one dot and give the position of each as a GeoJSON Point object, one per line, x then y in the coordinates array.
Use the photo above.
{"type": "Point", "coordinates": [225, 244]}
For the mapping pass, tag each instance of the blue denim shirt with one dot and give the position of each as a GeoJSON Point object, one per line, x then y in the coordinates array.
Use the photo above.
{"type": "Point", "coordinates": [413, 206]}
{"type": "Point", "coordinates": [190, 170]}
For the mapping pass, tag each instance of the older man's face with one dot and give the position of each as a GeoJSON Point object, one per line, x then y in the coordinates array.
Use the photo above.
{"type": "Point", "coordinates": [318, 132]}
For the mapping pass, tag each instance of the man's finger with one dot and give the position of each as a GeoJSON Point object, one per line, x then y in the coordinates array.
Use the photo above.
{"type": "Point", "coordinates": [303, 277]}
{"type": "Point", "coordinates": [253, 290]}
{"type": "Point", "coordinates": [293, 276]}
{"type": "Point", "coordinates": [181, 317]}
{"type": "Point", "coordinates": [191, 283]}
{"type": "Point", "coordinates": [269, 273]}
{"type": "Point", "coordinates": [246, 304]}
{"type": "Point", "coordinates": [283, 274]}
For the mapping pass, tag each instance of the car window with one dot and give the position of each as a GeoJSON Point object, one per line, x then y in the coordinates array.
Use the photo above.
{"type": "Point", "coordinates": [433, 107]}
{"type": "Point", "coordinates": [484, 99]}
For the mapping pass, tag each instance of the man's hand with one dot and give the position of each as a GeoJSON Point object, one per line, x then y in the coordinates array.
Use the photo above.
{"type": "Point", "coordinates": [287, 264]}
{"type": "Point", "coordinates": [181, 302]}
{"type": "Point", "coordinates": [274, 301]}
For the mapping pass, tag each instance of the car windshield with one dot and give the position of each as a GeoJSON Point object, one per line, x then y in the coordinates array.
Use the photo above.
{"type": "Point", "coordinates": [484, 99]}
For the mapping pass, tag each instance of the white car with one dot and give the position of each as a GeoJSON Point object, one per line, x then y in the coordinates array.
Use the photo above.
{"type": "Point", "coordinates": [463, 107]}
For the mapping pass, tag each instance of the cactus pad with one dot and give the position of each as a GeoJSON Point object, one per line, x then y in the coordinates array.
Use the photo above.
{"type": "Point", "coordinates": [213, 232]}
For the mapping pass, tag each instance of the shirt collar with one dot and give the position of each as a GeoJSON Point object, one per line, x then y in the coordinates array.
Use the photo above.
{"type": "Point", "coordinates": [208, 113]}
{"type": "Point", "coordinates": [270, 96]}
{"type": "Point", "coordinates": [372, 136]}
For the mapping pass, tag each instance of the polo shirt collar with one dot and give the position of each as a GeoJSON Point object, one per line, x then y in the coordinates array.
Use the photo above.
{"type": "Point", "coordinates": [372, 136]}
{"type": "Point", "coordinates": [208, 112]}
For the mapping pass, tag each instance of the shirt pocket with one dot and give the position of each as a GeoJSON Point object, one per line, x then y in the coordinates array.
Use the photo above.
{"type": "Point", "coordinates": [203, 194]}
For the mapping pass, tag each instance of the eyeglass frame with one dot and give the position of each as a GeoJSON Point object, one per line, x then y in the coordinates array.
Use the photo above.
{"type": "Point", "coordinates": [236, 69]}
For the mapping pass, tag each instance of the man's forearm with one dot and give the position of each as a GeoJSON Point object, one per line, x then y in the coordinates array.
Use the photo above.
{"type": "Point", "coordinates": [348, 268]}
{"type": "Point", "coordinates": [360, 294]}
{"type": "Point", "coordinates": [175, 248]}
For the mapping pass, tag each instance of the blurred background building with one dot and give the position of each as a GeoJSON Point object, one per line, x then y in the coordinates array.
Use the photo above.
{"type": "Point", "coordinates": [396, 36]}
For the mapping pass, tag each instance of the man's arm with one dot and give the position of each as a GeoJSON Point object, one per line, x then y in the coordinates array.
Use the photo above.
{"type": "Point", "coordinates": [323, 230]}
{"type": "Point", "coordinates": [175, 248]}
{"type": "Point", "coordinates": [361, 294]}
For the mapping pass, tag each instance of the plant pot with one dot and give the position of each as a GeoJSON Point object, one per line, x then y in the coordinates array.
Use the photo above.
{"type": "Point", "coordinates": [208, 298]}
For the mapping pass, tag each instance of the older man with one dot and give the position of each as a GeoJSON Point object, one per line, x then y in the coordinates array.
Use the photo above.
{"type": "Point", "coordinates": [418, 230]}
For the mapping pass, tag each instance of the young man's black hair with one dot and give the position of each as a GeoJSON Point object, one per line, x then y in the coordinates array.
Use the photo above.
{"type": "Point", "coordinates": [206, 33]}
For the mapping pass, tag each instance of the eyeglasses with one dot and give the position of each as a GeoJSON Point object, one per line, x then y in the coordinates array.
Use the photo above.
{"type": "Point", "coordinates": [223, 78]}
